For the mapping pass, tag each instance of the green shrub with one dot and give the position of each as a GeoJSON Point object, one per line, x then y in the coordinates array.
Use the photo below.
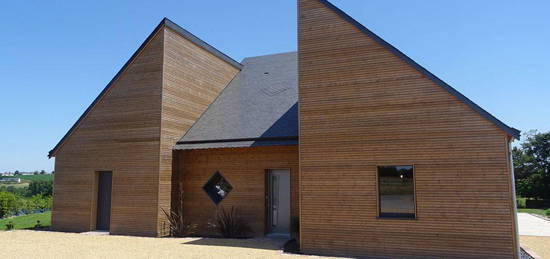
{"type": "Point", "coordinates": [547, 213]}
{"type": "Point", "coordinates": [18, 191]}
{"type": "Point", "coordinates": [8, 203]}
{"type": "Point", "coordinates": [521, 202]}
{"type": "Point", "coordinates": [23, 205]}
{"type": "Point", "coordinates": [10, 226]}
{"type": "Point", "coordinates": [178, 225]}
{"type": "Point", "coordinates": [39, 202]}
{"type": "Point", "coordinates": [230, 224]}
{"type": "Point", "coordinates": [38, 225]}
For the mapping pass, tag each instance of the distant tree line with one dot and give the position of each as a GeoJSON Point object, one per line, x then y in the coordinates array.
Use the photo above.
{"type": "Point", "coordinates": [44, 188]}
{"type": "Point", "coordinates": [36, 172]}
{"type": "Point", "coordinates": [532, 166]}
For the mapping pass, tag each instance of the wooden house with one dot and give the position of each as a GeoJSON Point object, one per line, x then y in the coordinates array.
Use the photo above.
{"type": "Point", "coordinates": [347, 145]}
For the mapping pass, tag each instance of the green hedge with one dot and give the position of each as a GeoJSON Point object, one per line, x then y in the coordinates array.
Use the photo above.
{"type": "Point", "coordinates": [11, 204]}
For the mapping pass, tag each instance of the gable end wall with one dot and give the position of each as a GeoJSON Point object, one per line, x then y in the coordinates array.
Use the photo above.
{"type": "Point", "coordinates": [120, 133]}
{"type": "Point", "coordinates": [362, 106]}
{"type": "Point", "coordinates": [131, 130]}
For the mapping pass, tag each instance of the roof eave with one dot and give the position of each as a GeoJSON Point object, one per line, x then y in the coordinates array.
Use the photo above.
{"type": "Point", "coordinates": [284, 140]}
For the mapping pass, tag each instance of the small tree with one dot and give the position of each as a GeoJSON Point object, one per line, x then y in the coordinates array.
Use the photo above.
{"type": "Point", "coordinates": [532, 166]}
{"type": "Point", "coordinates": [40, 202]}
{"type": "Point", "coordinates": [8, 203]}
{"type": "Point", "coordinates": [44, 188]}
{"type": "Point", "coordinates": [230, 224]}
{"type": "Point", "coordinates": [24, 205]}
{"type": "Point", "coordinates": [42, 172]}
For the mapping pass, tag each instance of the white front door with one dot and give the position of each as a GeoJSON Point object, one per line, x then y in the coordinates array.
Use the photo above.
{"type": "Point", "coordinates": [279, 202]}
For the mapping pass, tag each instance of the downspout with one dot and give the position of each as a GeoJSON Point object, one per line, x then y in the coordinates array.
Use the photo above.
{"type": "Point", "coordinates": [514, 199]}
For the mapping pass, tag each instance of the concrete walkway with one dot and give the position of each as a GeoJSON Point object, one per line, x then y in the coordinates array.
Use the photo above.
{"type": "Point", "coordinates": [530, 225]}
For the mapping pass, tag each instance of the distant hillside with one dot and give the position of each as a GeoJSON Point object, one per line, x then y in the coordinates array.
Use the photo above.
{"type": "Point", "coordinates": [31, 178]}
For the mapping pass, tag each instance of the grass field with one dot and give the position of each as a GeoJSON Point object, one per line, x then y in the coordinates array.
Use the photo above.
{"type": "Point", "coordinates": [30, 178]}
{"type": "Point", "coordinates": [28, 221]}
{"type": "Point", "coordinates": [27, 179]}
{"type": "Point", "coordinates": [16, 185]}
{"type": "Point", "coordinates": [534, 211]}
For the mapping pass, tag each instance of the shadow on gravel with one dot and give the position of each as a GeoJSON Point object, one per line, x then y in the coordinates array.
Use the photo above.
{"type": "Point", "coordinates": [257, 243]}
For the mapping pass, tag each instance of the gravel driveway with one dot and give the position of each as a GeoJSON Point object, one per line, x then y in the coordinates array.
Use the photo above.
{"type": "Point", "coordinates": [43, 244]}
{"type": "Point", "coordinates": [534, 234]}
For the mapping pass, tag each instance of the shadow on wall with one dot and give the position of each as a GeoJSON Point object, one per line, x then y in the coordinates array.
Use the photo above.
{"type": "Point", "coordinates": [257, 243]}
{"type": "Point", "coordinates": [285, 126]}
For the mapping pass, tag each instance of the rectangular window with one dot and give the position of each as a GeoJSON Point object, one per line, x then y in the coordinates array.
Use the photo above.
{"type": "Point", "coordinates": [396, 192]}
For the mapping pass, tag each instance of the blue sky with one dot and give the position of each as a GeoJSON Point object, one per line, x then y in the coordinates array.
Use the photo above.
{"type": "Point", "coordinates": [55, 56]}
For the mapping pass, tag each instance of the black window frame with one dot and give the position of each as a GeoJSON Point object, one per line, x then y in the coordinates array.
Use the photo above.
{"type": "Point", "coordinates": [214, 179]}
{"type": "Point", "coordinates": [385, 215]}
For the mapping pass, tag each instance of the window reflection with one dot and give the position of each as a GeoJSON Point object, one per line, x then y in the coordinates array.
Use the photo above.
{"type": "Point", "coordinates": [396, 191]}
{"type": "Point", "coordinates": [217, 187]}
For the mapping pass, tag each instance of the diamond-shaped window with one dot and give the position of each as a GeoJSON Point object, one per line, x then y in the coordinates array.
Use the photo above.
{"type": "Point", "coordinates": [217, 188]}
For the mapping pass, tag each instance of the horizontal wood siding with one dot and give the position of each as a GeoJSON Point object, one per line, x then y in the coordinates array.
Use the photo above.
{"type": "Point", "coordinates": [245, 169]}
{"type": "Point", "coordinates": [120, 134]}
{"type": "Point", "coordinates": [192, 79]}
{"type": "Point", "coordinates": [362, 106]}
{"type": "Point", "coordinates": [131, 131]}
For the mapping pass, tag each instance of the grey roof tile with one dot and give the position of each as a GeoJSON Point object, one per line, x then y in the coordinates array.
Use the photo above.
{"type": "Point", "coordinates": [257, 108]}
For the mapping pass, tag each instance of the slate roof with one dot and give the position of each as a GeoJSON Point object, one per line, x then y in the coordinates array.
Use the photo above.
{"type": "Point", "coordinates": [257, 108]}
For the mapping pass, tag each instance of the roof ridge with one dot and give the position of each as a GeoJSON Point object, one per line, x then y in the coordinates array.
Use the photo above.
{"type": "Point", "coordinates": [274, 54]}
{"type": "Point", "coordinates": [201, 43]}
{"type": "Point", "coordinates": [512, 131]}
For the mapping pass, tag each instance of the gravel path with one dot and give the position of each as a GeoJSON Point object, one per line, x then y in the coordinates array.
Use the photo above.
{"type": "Point", "coordinates": [43, 244]}
{"type": "Point", "coordinates": [530, 225]}
{"type": "Point", "coordinates": [539, 245]}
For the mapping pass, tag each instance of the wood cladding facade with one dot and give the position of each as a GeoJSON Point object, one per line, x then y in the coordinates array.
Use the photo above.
{"type": "Point", "coordinates": [362, 106]}
{"type": "Point", "coordinates": [131, 130]}
{"type": "Point", "coordinates": [192, 79]}
{"type": "Point", "coordinates": [120, 134]}
{"type": "Point", "coordinates": [245, 169]}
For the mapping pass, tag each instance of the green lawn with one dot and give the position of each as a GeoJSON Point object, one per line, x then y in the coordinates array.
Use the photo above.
{"type": "Point", "coordinates": [28, 221]}
{"type": "Point", "coordinates": [534, 211]}
{"type": "Point", "coordinates": [38, 177]}
{"type": "Point", "coordinates": [16, 185]}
